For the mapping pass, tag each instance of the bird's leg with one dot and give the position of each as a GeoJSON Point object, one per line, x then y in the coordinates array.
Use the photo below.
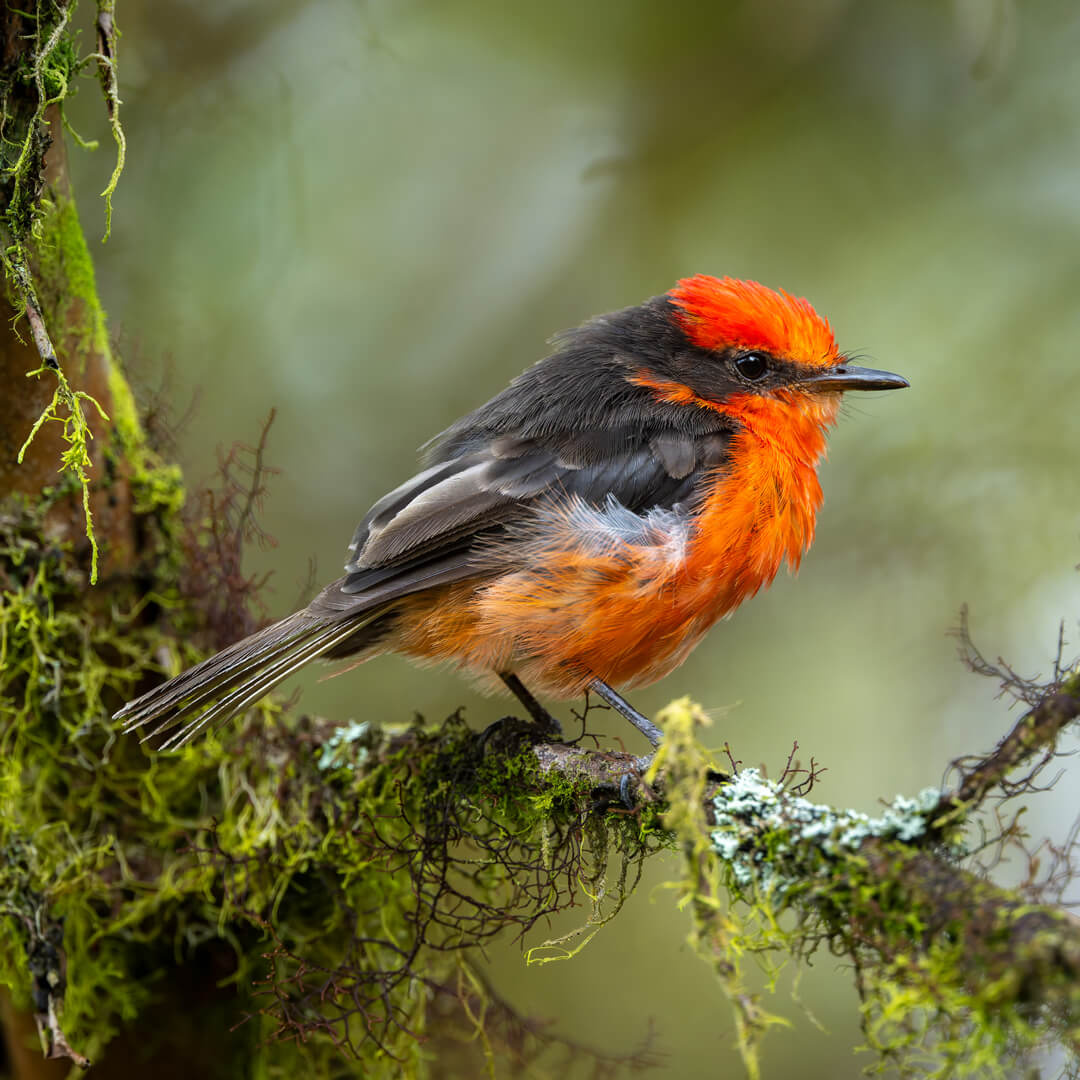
{"type": "Point", "coordinates": [533, 707]}
{"type": "Point", "coordinates": [642, 723]}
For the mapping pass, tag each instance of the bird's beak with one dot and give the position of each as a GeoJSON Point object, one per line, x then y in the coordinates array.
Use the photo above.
{"type": "Point", "coordinates": [845, 376]}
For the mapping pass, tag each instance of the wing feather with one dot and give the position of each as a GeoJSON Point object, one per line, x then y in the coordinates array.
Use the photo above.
{"type": "Point", "coordinates": [427, 531]}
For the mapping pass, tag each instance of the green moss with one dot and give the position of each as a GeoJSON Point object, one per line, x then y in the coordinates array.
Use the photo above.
{"type": "Point", "coordinates": [344, 872]}
{"type": "Point", "coordinates": [75, 311]}
{"type": "Point", "coordinates": [66, 266]}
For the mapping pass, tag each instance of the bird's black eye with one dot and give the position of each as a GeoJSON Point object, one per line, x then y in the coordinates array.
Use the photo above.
{"type": "Point", "coordinates": [752, 366]}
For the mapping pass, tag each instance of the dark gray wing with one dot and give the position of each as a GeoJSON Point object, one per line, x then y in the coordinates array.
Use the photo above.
{"type": "Point", "coordinates": [423, 533]}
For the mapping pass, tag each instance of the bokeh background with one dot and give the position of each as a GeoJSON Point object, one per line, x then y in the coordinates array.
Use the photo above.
{"type": "Point", "coordinates": [370, 215]}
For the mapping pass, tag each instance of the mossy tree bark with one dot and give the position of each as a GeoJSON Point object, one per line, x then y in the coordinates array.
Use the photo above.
{"type": "Point", "coordinates": [57, 338]}
{"type": "Point", "coordinates": [63, 273]}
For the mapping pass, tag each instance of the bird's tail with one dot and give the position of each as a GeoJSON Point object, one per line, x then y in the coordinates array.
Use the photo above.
{"type": "Point", "coordinates": [236, 677]}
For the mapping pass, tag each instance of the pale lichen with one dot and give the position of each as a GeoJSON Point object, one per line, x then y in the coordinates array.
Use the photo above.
{"type": "Point", "coordinates": [760, 828]}
{"type": "Point", "coordinates": [345, 746]}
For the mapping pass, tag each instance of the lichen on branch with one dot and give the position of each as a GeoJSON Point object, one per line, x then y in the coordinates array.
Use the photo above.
{"type": "Point", "coordinates": [956, 974]}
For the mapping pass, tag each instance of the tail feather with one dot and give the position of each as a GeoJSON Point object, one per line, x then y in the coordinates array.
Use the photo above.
{"type": "Point", "coordinates": [202, 680]}
{"type": "Point", "coordinates": [231, 680]}
{"type": "Point", "coordinates": [261, 682]}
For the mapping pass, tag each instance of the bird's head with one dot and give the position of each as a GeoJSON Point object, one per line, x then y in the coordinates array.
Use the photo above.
{"type": "Point", "coordinates": [764, 360]}
{"type": "Point", "coordinates": [759, 355]}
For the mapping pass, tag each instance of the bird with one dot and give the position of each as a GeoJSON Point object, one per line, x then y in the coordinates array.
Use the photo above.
{"type": "Point", "coordinates": [583, 529]}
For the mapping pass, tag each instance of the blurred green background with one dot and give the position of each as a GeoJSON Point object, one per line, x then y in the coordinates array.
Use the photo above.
{"type": "Point", "coordinates": [371, 215]}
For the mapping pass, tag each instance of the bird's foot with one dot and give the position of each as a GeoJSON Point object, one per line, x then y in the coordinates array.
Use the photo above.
{"type": "Point", "coordinates": [620, 705]}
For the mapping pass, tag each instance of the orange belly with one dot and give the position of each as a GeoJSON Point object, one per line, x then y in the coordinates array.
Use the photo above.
{"type": "Point", "coordinates": [592, 592]}
{"type": "Point", "coordinates": [557, 631]}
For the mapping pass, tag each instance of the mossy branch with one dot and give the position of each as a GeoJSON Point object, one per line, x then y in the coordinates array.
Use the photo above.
{"type": "Point", "coordinates": [944, 958]}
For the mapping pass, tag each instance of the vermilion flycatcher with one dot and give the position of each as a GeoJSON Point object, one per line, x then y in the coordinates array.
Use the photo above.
{"type": "Point", "coordinates": [586, 526]}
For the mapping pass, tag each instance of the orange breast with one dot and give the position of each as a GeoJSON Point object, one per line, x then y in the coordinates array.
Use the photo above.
{"type": "Point", "coordinates": [591, 593]}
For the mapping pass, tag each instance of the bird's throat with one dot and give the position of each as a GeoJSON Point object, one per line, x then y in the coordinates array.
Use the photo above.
{"type": "Point", "coordinates": [761, 509]}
